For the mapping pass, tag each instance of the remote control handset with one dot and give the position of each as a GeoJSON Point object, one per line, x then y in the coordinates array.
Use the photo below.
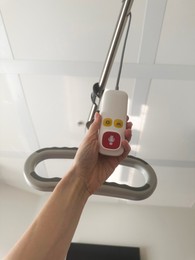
{"type": "Point", "coordinates": [113, 109]}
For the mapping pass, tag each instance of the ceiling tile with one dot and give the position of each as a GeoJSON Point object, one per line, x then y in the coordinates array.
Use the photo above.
{"type": "Point", "coordinates": [67, 30]}
{"type": "Point", "coordinates": [169, 130]}
{"type": "Point", "coordinates": [60, 106]}
{"type": "Point", "coordinates": [177, 40]}
{"type": "Point", "coordinates": [12, 136]}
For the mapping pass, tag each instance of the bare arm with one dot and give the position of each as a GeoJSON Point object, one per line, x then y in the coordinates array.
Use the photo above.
{"type": "Point", "coordinates": [50, 235]}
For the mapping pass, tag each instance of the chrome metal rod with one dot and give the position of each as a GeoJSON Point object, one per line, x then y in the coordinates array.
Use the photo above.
{"type": "Point", "coordinates": [126, 7]}
{"type": "Point", "coordinates": [115, 42]}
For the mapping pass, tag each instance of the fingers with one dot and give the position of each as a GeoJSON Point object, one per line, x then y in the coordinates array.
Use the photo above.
{"type": "Point", "coordinates": [128, 131]}
{"type": "Point", "coordinates": [127, 149]}
{"type": "Point", "coordinates": [129, 125]}
{"type": "Point", "coordinates": [128, 135]}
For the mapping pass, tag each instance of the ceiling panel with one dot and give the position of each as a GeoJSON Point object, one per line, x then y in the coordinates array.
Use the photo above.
{"type": "Point", "coordinates": [12, 134]}
{"type": "Point", "coordinates": [67, 30]}
{"type": "Point", "coordinates": [17, 136]}
{"type": "Point", "coordinates": [169, 129]}
{"type": "Point", "coordinates": [60, 106]}
{"type": "Point", "coordinates": [50, 106]}
{"type": "Point", "coordinates": [177, 39]}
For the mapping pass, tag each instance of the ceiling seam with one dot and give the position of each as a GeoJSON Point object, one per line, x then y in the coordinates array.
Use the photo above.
{"type": "Point", "coordinates": [7, 36]}
{"type": "Point", "coordinates": [79, 69]}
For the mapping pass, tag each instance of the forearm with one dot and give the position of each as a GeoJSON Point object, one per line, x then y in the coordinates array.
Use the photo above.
{"type": "Point", "coordinates": [51, 233]}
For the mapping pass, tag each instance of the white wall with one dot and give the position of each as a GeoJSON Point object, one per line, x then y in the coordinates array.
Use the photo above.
{"type": "Point", "coordinates": [161, 233]}
{"type": "Point", "coordinates": [17, 209]}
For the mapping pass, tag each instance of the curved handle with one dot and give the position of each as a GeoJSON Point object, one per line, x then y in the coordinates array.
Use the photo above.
{"type": "Point", "coordinates": [107, 189]}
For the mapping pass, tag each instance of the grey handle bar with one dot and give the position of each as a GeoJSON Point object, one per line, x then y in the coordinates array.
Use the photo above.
{"type": "Point", "coordinates": [107, 189]}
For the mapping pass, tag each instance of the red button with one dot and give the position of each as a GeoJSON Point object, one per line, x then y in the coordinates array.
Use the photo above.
{"type": "Point", "coordinates": [111, 140]}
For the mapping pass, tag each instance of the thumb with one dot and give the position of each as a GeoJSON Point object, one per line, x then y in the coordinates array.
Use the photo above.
{"type": "Point", "coordinates": [95, 126]}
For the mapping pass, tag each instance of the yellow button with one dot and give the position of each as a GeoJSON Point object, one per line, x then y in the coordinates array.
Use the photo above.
{"type": "Point", "coordinates": [118, 123]}
{"type": "Point", "coordinates": [107, 122]}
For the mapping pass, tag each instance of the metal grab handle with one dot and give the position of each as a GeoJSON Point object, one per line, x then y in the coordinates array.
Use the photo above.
{"type": "Point", "coordinates": [107, 189]}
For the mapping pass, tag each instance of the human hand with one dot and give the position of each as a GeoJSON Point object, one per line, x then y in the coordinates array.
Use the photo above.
{"type": "Point", "coordinates": [93, 167]}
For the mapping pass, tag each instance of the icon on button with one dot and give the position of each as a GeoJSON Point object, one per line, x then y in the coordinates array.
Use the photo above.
{"type": "Point", "coordinates": [111, 140]}
{"type": "Point", "coordinates": [118, 123]}
{"type": "Point", "coordinates": [107, 122]}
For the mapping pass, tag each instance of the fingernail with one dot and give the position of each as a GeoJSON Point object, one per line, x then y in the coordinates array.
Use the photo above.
{"type": "Point", "coordinates": [97, 115]}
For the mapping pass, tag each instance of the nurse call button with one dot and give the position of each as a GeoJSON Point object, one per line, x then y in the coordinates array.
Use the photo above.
{"type": "Point", "coordinates": [111, 140]}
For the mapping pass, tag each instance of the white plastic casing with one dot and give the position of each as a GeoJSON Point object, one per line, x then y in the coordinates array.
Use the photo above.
{"type": "Point", "coordinates": [113, 109]}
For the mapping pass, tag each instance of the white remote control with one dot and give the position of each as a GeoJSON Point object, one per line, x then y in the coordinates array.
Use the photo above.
{"type": "Point", "coordinates": [113, 109]}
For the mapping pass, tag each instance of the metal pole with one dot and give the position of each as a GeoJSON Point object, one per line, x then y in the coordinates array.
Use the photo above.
{"type": "Point", "coordinates": [125, 10]}
{"type": "Point", "coordinates": [115, 42]}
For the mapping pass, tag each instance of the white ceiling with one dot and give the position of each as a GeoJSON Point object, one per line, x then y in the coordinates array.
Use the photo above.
{"type": "Point", "coordinates": [52, 52]}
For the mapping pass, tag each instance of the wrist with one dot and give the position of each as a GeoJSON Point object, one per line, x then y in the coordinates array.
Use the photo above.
{"type": "Point", "coordinates": [74, 184]}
